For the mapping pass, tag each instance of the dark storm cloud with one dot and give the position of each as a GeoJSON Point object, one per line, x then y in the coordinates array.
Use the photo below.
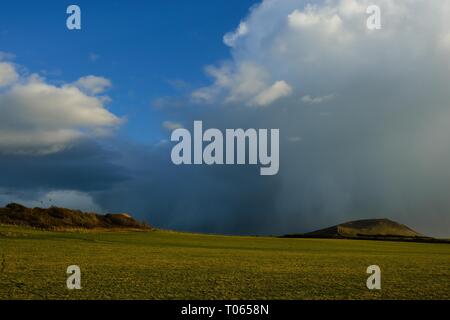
{"type": "Point", "coordinates": [195, 198]}
{"type": "Point", "coordinates": [85, 166]}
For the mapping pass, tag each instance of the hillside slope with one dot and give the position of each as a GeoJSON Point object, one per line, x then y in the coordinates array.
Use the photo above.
{"type": "Point", "coordinates": [377, 229]}
{"type": "Point", "coordinates": [60, 219]}
{"type": "Point", "coordinates": [370, 227]}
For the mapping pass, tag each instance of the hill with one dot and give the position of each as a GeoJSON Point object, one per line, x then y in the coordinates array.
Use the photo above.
{"type": "Point", "coordinates": [55, 218]}
{"type": "Point", "coordinates": [371, 229]}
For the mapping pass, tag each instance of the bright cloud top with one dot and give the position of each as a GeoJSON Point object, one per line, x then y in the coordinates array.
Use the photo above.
{"type": "Point", "coordinates": [8, 74]}
{"type": "Point", "coordinates": [246, 83]}
{"type": "Point", "coordinates": [231, 38]}
{"type": "Point", "coordinates": [93, 85]}
{"type": "Point", "coordinates": [292, 47]}
{"type": "Point", "coordinates": [171, 125]}
{"type": "Point", "coordinates": [40, 118]}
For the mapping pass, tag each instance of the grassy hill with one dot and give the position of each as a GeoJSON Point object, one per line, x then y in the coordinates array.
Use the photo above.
{"type": "Point", "coordinates": [172, 265]}
{"type": "Point", "coordinates": [64, 219]}
{"type": "Point", "coordinates": [371, 229]}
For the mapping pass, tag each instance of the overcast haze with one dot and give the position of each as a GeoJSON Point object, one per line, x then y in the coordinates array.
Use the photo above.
{"type": "Point", "coordinates": [364, 119]}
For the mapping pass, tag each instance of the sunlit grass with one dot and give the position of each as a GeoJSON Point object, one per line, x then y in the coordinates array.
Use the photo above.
{"type": "Point", "coordinates": [171, 265]}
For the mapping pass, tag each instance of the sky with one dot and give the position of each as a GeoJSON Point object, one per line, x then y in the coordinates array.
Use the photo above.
{"type": "Point", "coordinates": [86, 115]}
{"type": "Point", "coordinates": [146, 47]}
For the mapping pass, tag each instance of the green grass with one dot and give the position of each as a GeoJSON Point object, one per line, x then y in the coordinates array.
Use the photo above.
{"type": "Point", "coordinates": [171, 265]}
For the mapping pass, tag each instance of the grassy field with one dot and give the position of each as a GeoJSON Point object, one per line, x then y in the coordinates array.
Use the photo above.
{"type": "Point", "coordinates": [170, 265]}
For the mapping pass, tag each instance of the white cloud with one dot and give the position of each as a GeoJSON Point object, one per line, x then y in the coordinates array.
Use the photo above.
{"type": "Point", "coordinates": [278, 90]}
{"type": "Point", "coordinates": [8, 74]}
{"type": "Point", "coordinates": [349, 8]}
{"type": "Point", "coordinates": [38, 117]}
{"type": "Point", "coordinates": [246, 83]}
{"type": "Point", "coordinates": [171, 125]}
{"type": "Point", "coordinates": [92, 85]}
{"type": "Point", "coordinates": [323, 21]}
{"type": "Point", "coordinates": [231, 38]}
{"type": "Point", "coordinates": [317, 47]}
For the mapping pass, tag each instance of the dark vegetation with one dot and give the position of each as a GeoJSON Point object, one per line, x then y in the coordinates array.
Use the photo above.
{"type": "Point", "coordinates": [55, 218]}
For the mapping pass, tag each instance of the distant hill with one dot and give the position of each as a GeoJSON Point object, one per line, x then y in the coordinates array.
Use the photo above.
{"type": "Point", "coordinates": [63, 219]}
{"type": "Point", "coordinates": [371, 229]}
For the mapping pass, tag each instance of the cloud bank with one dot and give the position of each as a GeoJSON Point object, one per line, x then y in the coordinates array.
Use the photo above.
{"type": "Point", "coordinates": [376, 142]}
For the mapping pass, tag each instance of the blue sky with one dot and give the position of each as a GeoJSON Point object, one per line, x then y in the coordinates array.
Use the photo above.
{"type": "Point", "coordinates": [145, 48]}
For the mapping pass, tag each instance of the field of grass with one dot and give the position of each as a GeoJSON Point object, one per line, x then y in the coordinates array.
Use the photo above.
{"type": "Point", "coordinates": [171, 265]}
